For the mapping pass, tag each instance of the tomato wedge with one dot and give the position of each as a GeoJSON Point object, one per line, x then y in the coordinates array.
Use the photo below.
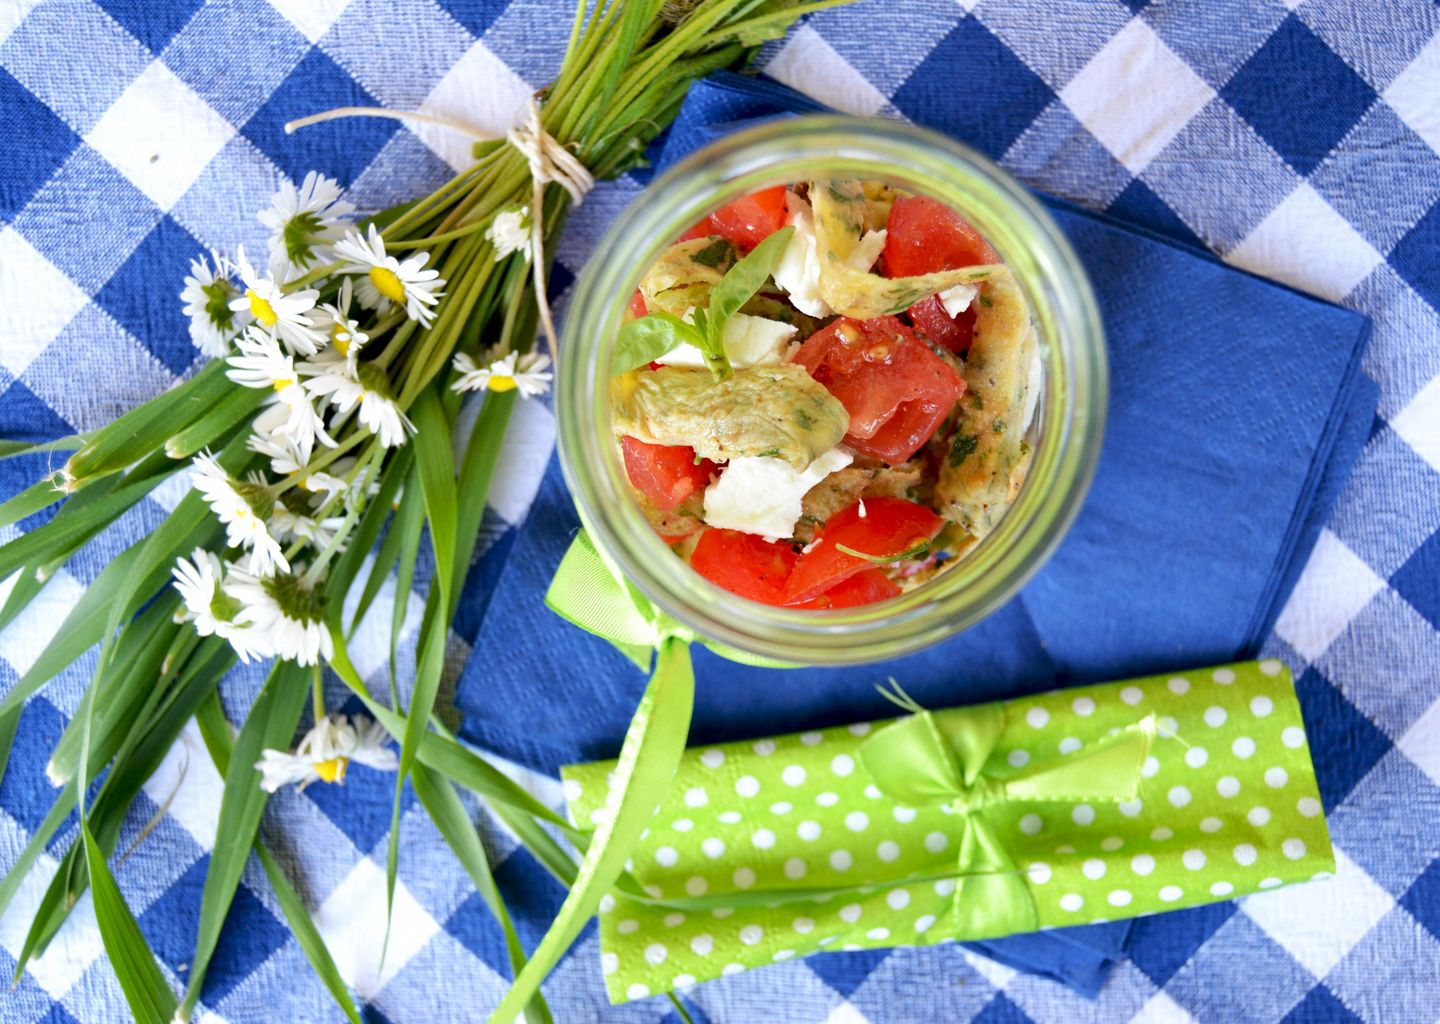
{"type": "Point", "coordinates": [924, 235]}
{"type": "Point", "coordinates": [666, 474]}
{"type": "Point", "coordinates": [889, 528]}
{"type": "Point", "coordinates": [637, 306]}
{"type": "Point", "coordinates": [951, 333]}
{"type": "Point", "coordinates": [866, 587]}
{"type": "Point", "coordinates": [744, 564]}
{"type": "Point", "coordinates": [895, 389]}
{"type": "Point", "coordinates": [747, 221]}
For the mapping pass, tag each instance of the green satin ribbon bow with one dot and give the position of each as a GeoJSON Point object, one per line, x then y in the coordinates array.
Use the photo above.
{"type": "Point", "coordinates": [925, 760]}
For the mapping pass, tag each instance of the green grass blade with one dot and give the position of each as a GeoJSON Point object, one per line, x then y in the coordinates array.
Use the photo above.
{"type": "Point", "coordinates": [477, 469]}
{"type": "Point", "coordinates": [39, 495]}
{"type": "Point", "coordinates": [10, 449]}
{"type": "Point", "coordinates": [238, 405]}
{"type": "Point", "coordinates": [347, 566]}
{"type": "Point", "coordinates": [9, 722]}
{"type": "Point", "coordinates": [39, 839]}
{"type": "Point", "coordinates": [27, 587]}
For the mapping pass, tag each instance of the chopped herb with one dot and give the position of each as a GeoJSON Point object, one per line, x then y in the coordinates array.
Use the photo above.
{"type": "Point", "coordinates": [714, 254]}
{"type": "Point", "coordinates": [769, 453]}
{"type": "Point", "coordinates": [803, 418]}
{"type": "Point", "coordinates": [976, 400]}
{"type": "Point", "coordinates": [998, 426]}
{"type": "Point", "coordinates": [962, 448]}
{"type": "Point", "coordinates": [986, 301]}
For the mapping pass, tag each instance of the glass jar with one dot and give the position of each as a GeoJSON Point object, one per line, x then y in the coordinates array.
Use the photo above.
{"type": "Point", "coordinates": [1066, 432]}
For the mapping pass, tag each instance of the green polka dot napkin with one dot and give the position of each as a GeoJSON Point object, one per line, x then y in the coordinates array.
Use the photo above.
{"type": "Point", "coordinates": [1072, 806]}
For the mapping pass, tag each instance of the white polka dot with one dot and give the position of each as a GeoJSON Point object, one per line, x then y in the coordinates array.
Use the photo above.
{"type": "Point", "coordinates": [701, 945]}
{"type": "Point", "coordinates": [842, 764]}
{"type": "Point", "coordinates": [1150, 768]}
{"type": "Point", "coordinates": [1166, 726]}
{"type": "Point", "coordinates": [888, 851]}
{"type": "Point", "coordinates": [1294, 849]}
{"type": "Point", "coordinates": [1170, 893]}
{"type": "Point", "coordinates": [1111, 843]}
{"type": "Point", "coordinates": [1119, 898]}
{"type": "Point", "coordinates": [1276, 777]}
{"type": "Point", "coordinates": [572, 790]}
{"type": "Point", "coordinates": [1193, 859]}
{"type": "Point", "coordinates": [1308, 806]}
{"type": "Point", "coordinates": [1031, 824]}
{"type": "Point", "coordinates": [712, 758]}
{"type": "Point", "coordinates": [1129, 808]}
{"type": "Point", "coordinates": [1228, 786]}
{"type": "Point", "coordinates": [924, 922]}
{"type": "Point", "coordinates": [713, 848]}
{"type": "Point", "coordinates": [764, 747]}
{"type": "Point", "coordinates": [1258, 816]}
{"type": "Point", "coordinates": [730, 969]}
{"type": "Point", "coordinates": [810, 739]}
{"type": "Point", "coordinates": [873, 792]}
{"type": "Point", "coordinates": [1132, 695]}
{"type": "Point", "coordinates": [1244, 855]}
{"type": "Point", "coordinates": [682, 824]}
{"type": "Point", "coordinates": [841, 860]}
{"type": "Point", "coordinates": [1221, 889]}
{"type": "Point", "coordinates": [944, 887]}
{"type": "Point", "coordinates": [609, 963]}
{"type": "Point", "coordinates": [674, 920]}
{"type": "Point", "coordinates": [696, 797]}
{"type": "Point", "coordinates": [653, 891]}
{"type": "Point", "coordinates": [1040, 872]}
{"type": "Point", "coordinates": [1142, 864]}
{"type": "Point", "coordinates": [1223, 676]}
{"type": "Point", "coordinates": [808, 831]}
{"type": "Point", "coordinates": [935, 842]}
{"type": "Point", "coordinates": [1196, 757]}
{"type": "Point", "coordinates": [858, 729]}
{"type": "Point", "coordinates": [898, 899]}
{"type": "Point", "coordinates": [597, 816]}
{"type": "Point", "coordinates": [850, 913]}
{"type": "Point", "coordinates": [683, 980]}
{"type": "Point", "coordinates": [729, 817]}
{"type": "Point", "coordinates": [904, 815]}
{"type": "Point", "coordinates": [607, 903]}
{"type": "Point", "coordinates": [655, 953]}
{"type": "Point", "coordinates": [747, 785]}
{"type": "Point", "coordinates": [1018, 758]}
{"type": "Point", "coordinates": [1270, 667]}
{"type": "Point", "coordinates": [1038, 718]}
{"type": "Point", "coordinates": [1069, 745]}
{"type": "Point", "coordinates": [781, 807]}
{"type": "Point", "coordinates": [1082, 814]}
{"type": "Point", "coordinates": [1261, 706]}
{"type": "Point", "coordinates": [783, 954]}
{"type": "Point", "coordinates": [1270, 883]}
{"type": "Point", "coordinates": [628, 927]}
{"type": "Point", "coordinates": [743, 877]}
{"type": "Point", "coordinates": [1083, 706]}
{"type": "Point", "coordinates": [803, 925]}
{"type": "Point", "coordinates": [1161, 834]}
{"type": "Point", "coordinates": [1093, 868]}
{"type": "Point", "coordinates": [763, 838]}
{"type": "Point", "coordinates": [1210, 824]}
{"type": "Point", "coordinates": [857, 821]}
{"type": "Point", "coordinates": [1179, 685]}
{"type": "Point", "coordinates": [637, 991]}
{"type": "Point", "coordinates": [827, 799]}
{"type": "Point", "coordinates": [751, 934]}
{"type": "Point", "coordinates": [1071, 902]}
{"type": "Point", "coordinates": [666, 856]}
{"type": "Point", "coordinates": [1179, 796]}
{"type": "Point", "coordinates": [1065, 850]}
{"type": "Point", "coordinates": [696, 886]}
{"type": "Point", "coordinates": [1243, 747]}
{"type": "Point", "coordinates": [1293, 737]}
{"type": "Point", "coordinates": [878, 934]}
{"type": "Point", "coordinates": [1215, 716]}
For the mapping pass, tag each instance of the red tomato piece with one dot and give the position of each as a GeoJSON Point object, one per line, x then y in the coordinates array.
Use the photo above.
{"type": "Point", "coordinates": [924, 235]}
{"type": "Point", "coordinates": [701, 229]}
{"type": "Point", "coordinates": [666, 474]}
{"type": "Point", "coordinates": [866, 587]}
{"type": "Point", "coordinates": [744, 564]}
{"type": "Point", "coordinates": [889, 528]}
{"type": "Point", "coordinates": [637, 305]}
{"type": "Point", "coordinates": [895, 389]}
{"type": "Point", "coordinates": [751, 219]}
{"type": "Point", "coordinates": [951, 333]}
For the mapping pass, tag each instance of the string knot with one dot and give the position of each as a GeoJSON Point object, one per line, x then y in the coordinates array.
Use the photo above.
{"type": "Point", "coordinates": [549, 160]}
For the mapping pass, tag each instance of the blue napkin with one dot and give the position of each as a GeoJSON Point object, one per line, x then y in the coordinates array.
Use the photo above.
{"type": "Point", "coordinates": [1237, 409]}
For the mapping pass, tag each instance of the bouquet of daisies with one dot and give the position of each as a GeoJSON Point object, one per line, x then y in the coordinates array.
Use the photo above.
{"type": "Point", "coordinates": [320, 451]}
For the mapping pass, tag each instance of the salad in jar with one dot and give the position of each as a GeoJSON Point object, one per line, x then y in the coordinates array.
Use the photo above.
{"type": "Point", "coordinates": [822, 393]}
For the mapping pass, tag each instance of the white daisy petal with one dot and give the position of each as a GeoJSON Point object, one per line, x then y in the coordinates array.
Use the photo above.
{"type": "Point", "coordinates": [283, 314]}
{"type": "Point", "coordinates": [208, 296]}
{"type": "Point", "coordinates": [304, 223]}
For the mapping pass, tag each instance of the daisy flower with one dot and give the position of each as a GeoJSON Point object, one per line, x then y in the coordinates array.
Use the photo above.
{"type": "Point", "coordinates": [293, 519]}
{"type": "Point", "coordinates": [388, 280]}
{"type": "Point", "coordinates": [325, 753]}
{"type": "Point", "coordinates": [303, 222]}
{"type": "Point", "coordinates": [199, 580]}
{"type": "Point", "coordinates": [345, 335]}
{"type": "Point", "coordinates": [283, 315]}
{"type": "Point", "coordinates": [510, 232]}
{"type": "Point", "coordinates": [290, 412]}
{"type": "Point", "coordinates": [208, 295]}
{"type": "Point", "coordinates": [284, 611]}
{"type": "Point", "coordinates": [529, 374]}
{"type": "Point", "coordinates": [368, 389]}
{"type": "Point", "coordinates": [244, 508]}
{"type": "Point", "coordinates": [285, 460]}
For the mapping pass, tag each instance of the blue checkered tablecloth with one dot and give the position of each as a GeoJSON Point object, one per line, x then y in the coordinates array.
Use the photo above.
{"type": "Point", "coordinates": [1300, 140]}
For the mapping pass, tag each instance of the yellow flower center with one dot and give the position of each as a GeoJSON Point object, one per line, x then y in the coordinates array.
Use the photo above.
{"type": "Point", "coordinates": [281, 383]}
{"type": "Point", "coordinates": [260, 309]}
{"type": "Point", "coordinates": [332, 770]}
{"type": "Point", "coordinates": [500, 383]}
{"type": "Point", "coordinates": [387, 284]}
{"type": "Point", "coordinates": [341, 336]}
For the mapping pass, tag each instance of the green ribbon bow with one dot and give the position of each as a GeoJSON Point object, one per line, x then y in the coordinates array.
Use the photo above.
{"type": "Point", "coordinates": [922, 760]}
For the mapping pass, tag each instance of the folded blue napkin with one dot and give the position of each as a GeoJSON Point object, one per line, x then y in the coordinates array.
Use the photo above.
{"type": "Point", "coordinates": [1237, 409]}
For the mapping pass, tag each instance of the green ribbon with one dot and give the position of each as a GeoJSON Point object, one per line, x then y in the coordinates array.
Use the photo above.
{"type": "Point", "coordinates": [921, 760]}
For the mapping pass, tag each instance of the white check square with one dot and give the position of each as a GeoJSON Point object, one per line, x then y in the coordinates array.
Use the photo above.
{"type": "Point", "coordinates": [1415, 94]}
{"type": "Point", "coordinates": [1335, 584]}
{"type": "Point", "coordinates": [1136, 95]}
{"type": "Point", "coordinates": [479, 92]}
{"type": "Point", "coordinates": [36, 626]}
{"type": "Point", "coordinates": [38, 299]}
{"type": "Point", "coordinates": [1305, 243]}
{"type": "Point", "coordinates": [352, 922]}
{"type": "Point", "coordinates": [1419, 423]}
{"type": "Point", "coordinates": [811, 65]}
{"type": "Point", "coordinates": [1421, 742]}
{"type": "Point", "coordinates": [312, 17]}
{"type": "Point", "coordinates": [160, 135]}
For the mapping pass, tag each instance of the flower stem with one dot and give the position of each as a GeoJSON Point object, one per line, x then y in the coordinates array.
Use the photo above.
{"type": "Point", "coordinates": [317, 693]}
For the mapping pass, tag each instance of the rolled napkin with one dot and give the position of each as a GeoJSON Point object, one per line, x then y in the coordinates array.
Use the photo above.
{"type": "Point", "coordinates": [1089, 804]}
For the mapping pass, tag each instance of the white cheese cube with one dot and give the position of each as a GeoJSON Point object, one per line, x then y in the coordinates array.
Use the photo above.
{"type": "Point", "coordinates": [957, 300]}
{"type": "Point", "coordinates": [763, 496]}
{"type": "Point", "coordinates": [798, 271]}
{"type": "Point", "coordinates": [749, 341]}
{"type": "Point", "coordinates": [866, 251]}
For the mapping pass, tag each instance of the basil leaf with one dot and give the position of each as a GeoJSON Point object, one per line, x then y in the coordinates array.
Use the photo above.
{"type": "Point", "coordinates": [742, 281]}
{"type": "Point", "coordinates": [647, 338]}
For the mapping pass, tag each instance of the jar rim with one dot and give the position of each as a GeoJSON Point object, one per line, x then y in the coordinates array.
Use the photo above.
{"type": "Point", "coordinates": [1071, 410]}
